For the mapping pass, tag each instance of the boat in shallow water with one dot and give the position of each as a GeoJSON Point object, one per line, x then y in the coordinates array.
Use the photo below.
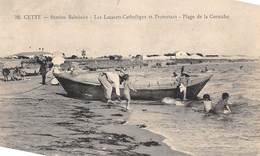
{"type": "Point", "coordinates": [89, 88]}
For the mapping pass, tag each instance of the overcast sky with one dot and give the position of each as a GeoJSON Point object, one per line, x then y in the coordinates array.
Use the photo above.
{"type": "Point", "coordinates": [239, 34]}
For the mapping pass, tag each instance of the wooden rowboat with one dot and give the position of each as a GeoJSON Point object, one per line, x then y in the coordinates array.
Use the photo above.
{"type": "Point", "coordinates": [92, 90]}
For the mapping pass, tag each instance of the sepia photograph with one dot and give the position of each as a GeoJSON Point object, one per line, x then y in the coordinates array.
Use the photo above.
{"type": "Point", "coordinates": [129, 78]}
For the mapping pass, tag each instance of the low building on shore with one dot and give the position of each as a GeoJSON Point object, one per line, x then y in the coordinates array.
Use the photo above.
{"type": "Point", "coordinates": [31, 55]}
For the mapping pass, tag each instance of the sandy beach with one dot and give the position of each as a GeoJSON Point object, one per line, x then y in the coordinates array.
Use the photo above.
{"type": "Point", "coordinates": [41, 119]}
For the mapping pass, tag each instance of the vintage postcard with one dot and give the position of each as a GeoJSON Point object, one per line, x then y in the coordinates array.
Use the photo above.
{"type": "Point", "coordinates": [129, 77]}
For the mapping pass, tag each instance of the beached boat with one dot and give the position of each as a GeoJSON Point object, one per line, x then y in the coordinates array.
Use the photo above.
{"type": "Point", "coordinates": [90, 88]}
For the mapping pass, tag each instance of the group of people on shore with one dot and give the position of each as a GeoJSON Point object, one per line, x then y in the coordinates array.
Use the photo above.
{"type": "Point", "coordinates": [15, 74]}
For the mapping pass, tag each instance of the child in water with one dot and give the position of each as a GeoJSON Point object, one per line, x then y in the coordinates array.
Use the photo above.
{"type": "Point", "coordinates": [127, 88]}
{"type": "Point", "coordinates": [208, 108]}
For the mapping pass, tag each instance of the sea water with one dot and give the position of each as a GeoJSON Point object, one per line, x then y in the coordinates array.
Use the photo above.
{"type": "Point", "coordinates": [190, 130]}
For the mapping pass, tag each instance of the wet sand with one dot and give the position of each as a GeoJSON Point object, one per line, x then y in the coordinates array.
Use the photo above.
{"type": "Point", "coordinates": [43, 120]}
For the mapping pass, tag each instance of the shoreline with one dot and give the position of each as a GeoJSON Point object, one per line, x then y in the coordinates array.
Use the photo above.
{"type": "Point", "coordinates": [166, 141]}
{"type": "Point", "coordinates": [45, 121]}
{"type": "Point", "coordinates": [144, 126]}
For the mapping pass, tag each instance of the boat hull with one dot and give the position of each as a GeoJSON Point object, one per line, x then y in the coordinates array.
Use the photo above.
{"type": "Point", "coordinates": [94, 91]}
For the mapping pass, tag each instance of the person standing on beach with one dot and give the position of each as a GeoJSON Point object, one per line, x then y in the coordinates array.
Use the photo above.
{"type": "Point", "coordinates": [222, 106]}
{"type": "Point", "coordinates": [43, 71]}
{"type": "Point", "coordinates": [45, 65]}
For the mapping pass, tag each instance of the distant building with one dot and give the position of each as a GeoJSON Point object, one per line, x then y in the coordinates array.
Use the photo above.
{"type": "Point", "coordinates": [29, 55]}
{"type": "Point", "coordinates": [138, 57]}
{"type": "Point", "coordinates": [155, 57]}
{"type": "Point", "coordinates": [171, 55]}
{"type": "Point", "coordinates": [182, 55]}
{"type": "Point", "coordinates": [196, 56]}
{"type": "Point", "coordinates": [211, 55]}
{"type": "Point", "coordinates": [200, 54]}
{"type": "Point", "coordinates": [115, 57]}
{"type": "Point", "coordinates": [174, 55]}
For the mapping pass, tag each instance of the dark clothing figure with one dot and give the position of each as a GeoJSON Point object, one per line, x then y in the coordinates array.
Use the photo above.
{"type": "Point", "coordinates": [43, 71]}
{"type": "Point", "coordinates": [5, 72]}
{"type": "Point", "coordinates": [182, 70]}
{"type": "Point", "coordinates": [183, 73]}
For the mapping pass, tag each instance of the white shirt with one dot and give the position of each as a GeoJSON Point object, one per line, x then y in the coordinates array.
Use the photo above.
{"type": "Point", "coordinates": [114, 79]}
{"type": "Point", "coordinates": [207, 106]}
